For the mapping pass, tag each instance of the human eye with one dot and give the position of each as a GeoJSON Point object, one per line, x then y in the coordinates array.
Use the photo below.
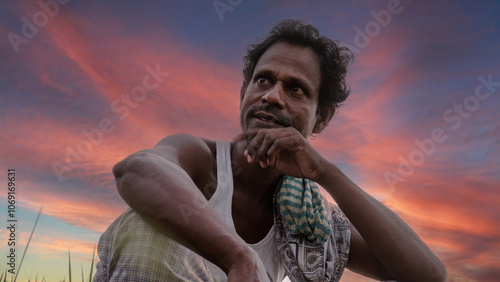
{"type": "Point", "coordinates": [297, 91]}
{"type": "Point", "coordinates": [262, 81]}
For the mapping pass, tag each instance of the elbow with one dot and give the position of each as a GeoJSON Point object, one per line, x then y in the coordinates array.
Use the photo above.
{"type": "Point", "coordinates": [433, 270]}
{"type": "Point", "coordinates": [127, 170]}
{"type": "Point", "coordinates": [119, 169]}
{"type": "Point", "coordinates": [440, 273]}
{"type": "Point", "coordinates": [120, 172]}
{"type": "Point", "coordinates": [437, 272]}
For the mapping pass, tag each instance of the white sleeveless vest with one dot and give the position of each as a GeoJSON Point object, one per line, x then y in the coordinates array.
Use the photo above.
{"type": "Point", "coordinates": [221, 201]}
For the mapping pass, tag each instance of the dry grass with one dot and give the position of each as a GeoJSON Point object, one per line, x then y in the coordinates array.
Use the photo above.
{"type": "Point", "coordinates": [3, 277]}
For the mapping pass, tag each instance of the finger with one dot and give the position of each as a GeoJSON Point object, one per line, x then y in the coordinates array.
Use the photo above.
{"type": "Point", "coordinates": [273, 152]}
{"type": "Point", "coordinates": [267, 143]}
{"type": "Point", "coordinates": [272, 159]}
{"type": "Point", "coordinates": [256, 142]}
{"type": "Point", "coordinates": [249, 158]}
{"type": "Point", "coordinates": [254, 145]}
{"type": "Point", "coordinates": [287, 142]}
{"type": "Point", "coordinates": [255, 148]}
{"type": "Point", "coordinates": [247, 135]}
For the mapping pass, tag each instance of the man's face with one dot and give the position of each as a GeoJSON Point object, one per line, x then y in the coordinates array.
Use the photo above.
{"type": "Point", "coordinates": [283, 91]}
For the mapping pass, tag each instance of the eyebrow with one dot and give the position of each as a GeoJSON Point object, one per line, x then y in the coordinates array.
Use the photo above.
{"type": "Point", "coordinates": [262, 73]}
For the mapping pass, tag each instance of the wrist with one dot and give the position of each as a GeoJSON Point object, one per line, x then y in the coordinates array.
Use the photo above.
{"type": "Point", "coordinates": [239, 256]}
{"type": "Point", "coordinates": [327, 169]}
{"type": "Point", "coordinates": [247, 266]}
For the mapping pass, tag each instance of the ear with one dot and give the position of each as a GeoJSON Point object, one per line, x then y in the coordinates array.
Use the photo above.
{"type": "Point", "coordinates": [322, 120]}
{"type": "Point", "coordinates": [243, 90]}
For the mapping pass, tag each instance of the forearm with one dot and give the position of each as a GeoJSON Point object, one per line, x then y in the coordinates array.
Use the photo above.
{"type": "Point", "coordinates": [391, 240]}
{"type": "Point", "coordinates": [165, 196]}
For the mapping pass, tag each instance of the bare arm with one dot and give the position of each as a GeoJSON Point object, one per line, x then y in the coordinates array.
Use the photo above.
{"type": "Point", "coordinates": [385, 246]}
{"type": "Point", "coordinates": [160, 185]}
{"type": "Point", "coordinates": [382, 233]}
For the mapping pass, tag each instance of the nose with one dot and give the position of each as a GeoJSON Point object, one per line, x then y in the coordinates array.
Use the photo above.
{"type": "Point", "coordinates": [275, 96]}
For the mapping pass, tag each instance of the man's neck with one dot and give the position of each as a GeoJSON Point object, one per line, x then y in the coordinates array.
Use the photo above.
{"type": "Point", "coordinates": [259, 184]}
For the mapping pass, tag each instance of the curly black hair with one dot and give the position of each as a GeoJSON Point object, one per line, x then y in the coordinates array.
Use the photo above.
{"type": "Point", "coordinates": [334, 60]}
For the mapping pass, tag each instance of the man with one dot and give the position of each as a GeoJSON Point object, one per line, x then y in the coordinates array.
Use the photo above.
{"type": "Point", "coordinates": [202, 209]}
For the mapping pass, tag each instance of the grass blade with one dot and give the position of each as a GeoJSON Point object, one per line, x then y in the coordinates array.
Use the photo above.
{"type": "Point", "coordinates": [69, 259]}
{"type": "Point", "coordinates": [27, 245]}
{"type": "Point", "coordinates": [92, 265]}
{"type": "Point", "coordinates": [26, 274]}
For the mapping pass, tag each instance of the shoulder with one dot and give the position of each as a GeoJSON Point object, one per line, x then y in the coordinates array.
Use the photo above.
{"type": "Point", "coordinates": [185, 143]}
{"type": "Point", "coordinates": [194, 154]}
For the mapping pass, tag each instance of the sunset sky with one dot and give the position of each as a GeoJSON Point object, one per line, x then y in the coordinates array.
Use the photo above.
{"type": "Point", "coordinates": [420, 131]}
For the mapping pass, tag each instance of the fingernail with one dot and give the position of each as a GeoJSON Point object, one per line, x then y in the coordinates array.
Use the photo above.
{"type": "Point", "coordinates": [262, 165]}
{"type": "Point", "coordinates": [245, 153]}
{"type": "Point", "coordinates": [249, 158]}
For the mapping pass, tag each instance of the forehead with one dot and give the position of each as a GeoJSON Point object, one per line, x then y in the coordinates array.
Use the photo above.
{"type": "Point", "coordinates": [292, 61]}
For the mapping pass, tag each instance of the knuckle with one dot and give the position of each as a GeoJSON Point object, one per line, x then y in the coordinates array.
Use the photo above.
{"type": "Point", "coordinates": [251, 149]}
{"type": "Point", "coordinates": [261, 153]}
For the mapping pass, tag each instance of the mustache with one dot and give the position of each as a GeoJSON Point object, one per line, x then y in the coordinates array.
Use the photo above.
{"type": "Point", "coordinates": [286, 121]}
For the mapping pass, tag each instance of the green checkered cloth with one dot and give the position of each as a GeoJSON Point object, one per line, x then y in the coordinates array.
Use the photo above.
{"type": "Point", "coordinates": [303, 208]}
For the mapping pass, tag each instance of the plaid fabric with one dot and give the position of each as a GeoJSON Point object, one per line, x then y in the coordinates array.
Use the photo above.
{"type": "Point", "coordinates": [302, 206]}
{"type": "Point", "coordinates": [131, 250]}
